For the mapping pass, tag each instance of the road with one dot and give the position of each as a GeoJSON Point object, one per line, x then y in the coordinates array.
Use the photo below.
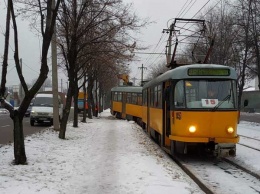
{"type": "Point", "coordinates": [6, 128]}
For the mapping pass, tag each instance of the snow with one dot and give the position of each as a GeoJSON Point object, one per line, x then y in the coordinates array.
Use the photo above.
{"type": "Point", "coordinates": [104, 155]}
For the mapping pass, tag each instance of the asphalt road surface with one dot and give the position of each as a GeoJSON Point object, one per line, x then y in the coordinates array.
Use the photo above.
{"type": "Point", "coordinates": [6, 128]}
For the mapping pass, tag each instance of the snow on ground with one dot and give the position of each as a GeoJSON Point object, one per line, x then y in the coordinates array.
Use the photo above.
{"type": "Point", "coordinates": [103, 155]}
{"type": "Point", "coordinates": [246, 156]}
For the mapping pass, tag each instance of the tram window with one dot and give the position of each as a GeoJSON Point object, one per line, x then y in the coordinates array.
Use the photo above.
{"type": "Point", "coordinates": [119, 96]}
{"type": "Point", "coordinates": [155, 96]}
{"type": "Point", "coordinates": [134, 98]}
{"type": "Point", "coordinates": [192, 91]}
{"type": "Point", "coordinates": [160, 96]}
{"type": "Point", "coordinates": [139, 99]}
{"type": "Point", "coordinates": [179, 95]}
{"type": "Point", "coordinates": [128, 99]}
{"type": "Point", "coordinates": [145, 97]}
{"type": "Point", "coordinates": [115, 96]}
{"type": "Point", "coordinates": [152, 97]}
{"type": "Point", "coordinates": [197, 94]}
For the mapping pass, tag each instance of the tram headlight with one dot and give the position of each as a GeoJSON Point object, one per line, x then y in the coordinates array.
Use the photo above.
{"type": "Point", "coordinates": [192, 129]}
{"type": "Point", "coordinates": [230, 130]}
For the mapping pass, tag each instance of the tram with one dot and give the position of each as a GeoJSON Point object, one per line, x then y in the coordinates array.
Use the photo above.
{"type": "Point", "coordinates": [126, 102]}
{"type": "Point", "coordinates": [193, 106]}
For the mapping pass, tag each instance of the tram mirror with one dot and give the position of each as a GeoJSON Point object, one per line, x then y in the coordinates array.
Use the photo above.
{"type": "Point", "coordinates": [245, 103]}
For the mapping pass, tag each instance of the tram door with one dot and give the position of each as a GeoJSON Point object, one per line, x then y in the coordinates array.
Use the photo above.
{"type": "Point", "coordinates": [124, 105]}
{"type": "Point", "coordinates": [166, 115]}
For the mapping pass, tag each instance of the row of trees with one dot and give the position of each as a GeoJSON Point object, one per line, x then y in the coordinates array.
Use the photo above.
{"type": "Point", "coordinates": [235, 26]}
{"type": "Point", "coordinates": [94, 43]}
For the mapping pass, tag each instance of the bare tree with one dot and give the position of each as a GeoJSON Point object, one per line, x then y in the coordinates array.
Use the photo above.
{"type": "Point", "coordinates": [244, 44]}
{"type": "Point", "coordinates": [48, 16]}
{"type": "Point", "coordinates": [157, 70]}
{"type": "Point", "coordinates": [86, 31]}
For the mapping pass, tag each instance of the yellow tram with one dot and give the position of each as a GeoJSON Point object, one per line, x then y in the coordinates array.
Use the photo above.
{"type": "Point", "coordinates": [126, 102]}
{"type": "Point", "coordinates": [193, 106]}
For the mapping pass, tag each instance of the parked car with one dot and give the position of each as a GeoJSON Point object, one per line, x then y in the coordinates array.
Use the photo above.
{"type": "Point", "coordinates": [42, 108]}
{"type": "Point", "coordinates": [3, 111]}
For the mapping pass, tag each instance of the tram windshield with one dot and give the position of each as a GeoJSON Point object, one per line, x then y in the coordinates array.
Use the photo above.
{"type": "Point", "coordinates": [205, 94]}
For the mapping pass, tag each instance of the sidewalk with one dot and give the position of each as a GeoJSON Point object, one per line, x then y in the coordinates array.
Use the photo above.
{"type": "Point", "coordinates": [104, 155]}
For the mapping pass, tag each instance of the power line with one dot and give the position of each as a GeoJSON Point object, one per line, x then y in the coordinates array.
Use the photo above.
{"type": "Point", "coordinates": [189, 8]}
{"type": "Point", "coordinates": [178, 15]}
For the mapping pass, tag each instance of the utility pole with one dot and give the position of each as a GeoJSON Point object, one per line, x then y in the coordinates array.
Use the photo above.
{"type": "Point", "coordinates": [56, 121]}
{"type": "Point", "coordinates": [142, 73]}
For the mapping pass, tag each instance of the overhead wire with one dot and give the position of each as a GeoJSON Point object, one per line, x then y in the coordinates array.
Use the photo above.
{"type": "Point", "coordinates": [188, 29]}
{"type": "Point", "coordinates": [187, 7]}
{"type": "Point", "coordinates": [190, 7]}
{"type": "Point", "coordinates": [158, 44]}
{"type": "Point", "coordinates": [182, 9]}
{"type": "Point", "coordinates": [204, 14]}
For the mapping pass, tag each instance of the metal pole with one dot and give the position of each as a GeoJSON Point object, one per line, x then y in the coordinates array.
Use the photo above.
{"type": "Point", "coordinates": [55, 78]}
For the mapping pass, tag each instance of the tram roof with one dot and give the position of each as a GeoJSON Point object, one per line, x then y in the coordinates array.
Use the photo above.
{"type": "Point", "coordinates": [182, 73]}
{"type": "Point", "coordinates": [136, 89]}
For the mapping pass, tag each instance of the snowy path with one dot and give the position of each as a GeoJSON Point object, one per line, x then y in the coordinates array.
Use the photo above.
{"type": "Point", "coordinates": [104, 155]}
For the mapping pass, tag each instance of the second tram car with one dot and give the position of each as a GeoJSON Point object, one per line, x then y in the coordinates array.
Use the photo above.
{"type": "Point", "coordinates": [126, 102]}
{"type": "Point", "coordinates": [193, 106]}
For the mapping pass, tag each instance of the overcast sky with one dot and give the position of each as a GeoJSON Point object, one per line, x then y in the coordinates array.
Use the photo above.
{"type": "Point", "coordinates": [160, 13]}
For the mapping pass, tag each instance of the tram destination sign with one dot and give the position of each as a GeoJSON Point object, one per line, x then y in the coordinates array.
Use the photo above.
{"type": "Point", "coordinates": [208, 72]}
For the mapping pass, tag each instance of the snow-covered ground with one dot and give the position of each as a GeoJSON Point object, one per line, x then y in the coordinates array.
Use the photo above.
{"type": "Point", "coordinates": [103, 155]}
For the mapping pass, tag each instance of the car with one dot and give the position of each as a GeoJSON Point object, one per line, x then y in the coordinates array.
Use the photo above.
{"type": "Point", "coordinates": [3, 111]}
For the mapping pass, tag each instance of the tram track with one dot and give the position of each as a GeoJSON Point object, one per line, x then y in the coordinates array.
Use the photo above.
{"type": "Point", "coordinates": [249, 147]}
{"type": "Point", "coordinates": [220, 175]}
{"type": "Point", "coordinates": [249, 137]}
{"type": "Point", "coordinates": [245, 142]}
{"type": "Point", "coordinates": [257, 176]}
{"type": "Point", "coordinates": [200, 171]}
{"type": "Point", "coordinates": [193, 176]}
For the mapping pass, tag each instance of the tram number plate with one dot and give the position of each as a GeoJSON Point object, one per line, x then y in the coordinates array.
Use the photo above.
{"type": "Point", "coordinates": [209, 102]}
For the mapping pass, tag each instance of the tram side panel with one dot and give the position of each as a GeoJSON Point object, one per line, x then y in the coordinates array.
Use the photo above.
{"type": "Point", "coordinates": [156, 119]}
{"type": "Point", "coordinates": [134, 110]}
{"type": "Point", "coordinates": [117, 108]}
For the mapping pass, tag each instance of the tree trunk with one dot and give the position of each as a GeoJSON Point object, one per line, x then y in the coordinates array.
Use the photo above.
{"type": "Point", "coordinates": [66, 112]}
{"type": "Point", "coordinates": [90, 97]}
{"type": "Point", "coordinates": [84, 102]}
{"type": "Point", "coordinates": [100, 101]}
{"type": "Point", "coordinates": [19, 149]}
{"type": "Point", "coordinates": [96, 100]}
{"type": "Point", "coordinates": [75, 118]}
